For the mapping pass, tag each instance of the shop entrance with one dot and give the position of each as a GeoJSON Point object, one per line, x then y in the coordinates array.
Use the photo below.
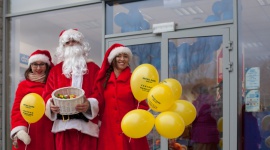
{"type": "Point", "coordinates": [199, 60]}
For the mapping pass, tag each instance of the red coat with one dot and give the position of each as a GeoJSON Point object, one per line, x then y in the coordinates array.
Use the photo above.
{"type": "Point", "coordinates": [118, 100]}
{"type": "Point", "coordinates": [57, 80]}
{"type": "Point", "coordinates": [66, 129]}
{"type": "Point", "coordinates": [40, 132]}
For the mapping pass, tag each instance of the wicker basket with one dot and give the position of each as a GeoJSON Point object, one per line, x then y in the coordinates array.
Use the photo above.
{"type": "Point", "coordinates": [67, 106]}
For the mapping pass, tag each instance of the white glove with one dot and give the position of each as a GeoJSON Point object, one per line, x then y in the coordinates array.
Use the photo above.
{"type": "Point", "coordinates": [23, 136]}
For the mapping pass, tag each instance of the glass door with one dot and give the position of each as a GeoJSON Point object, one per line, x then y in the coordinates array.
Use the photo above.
{"type": "Point", "coordinates": [196, 59]}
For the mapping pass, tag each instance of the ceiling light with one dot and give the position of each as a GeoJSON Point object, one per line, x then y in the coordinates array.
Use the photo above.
{"type": "Point", "coordinates": [255, 44]}
{"type": "Point", "coordinates": [249, 45]}
{"type": "Point", "coordinates": [198, 9]}
{"type": "Point", "coordinates": [185, 11]}
{"type": "Point", "coordinates": [188, 11]}
{"type": "Point", "coordinates": [192, 10]}
{"type": "Point", "coordinates": [178, 12]}
{"type": "Point", "coordinates": [252, 45]}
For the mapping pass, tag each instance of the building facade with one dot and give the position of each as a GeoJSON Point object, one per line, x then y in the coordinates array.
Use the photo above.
{"type": "Point", "coordinates": [220, 46]}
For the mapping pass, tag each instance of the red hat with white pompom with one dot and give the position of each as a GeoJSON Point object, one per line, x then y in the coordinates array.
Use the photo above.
{"type": "Point", "coordinates": [70, 34]}
{"type": "Point", "coordinates": [110, 54]}
{"type": "Point", "coordinates": [40, 55]}
{"type": "Point", "coordinates": [115, 50]}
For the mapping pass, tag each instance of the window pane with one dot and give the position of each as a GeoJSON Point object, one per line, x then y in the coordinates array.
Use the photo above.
{"type": "Point", "coordinates": [141, 15]}
{"type": "Point", "coordinates": [16, 6]}
{"type": "Point", "coordinates": [254, 69]}
{"type": "Point", "coordinates": [197, 64]}
{"type": "Point", "coordinates": [146, 53]}
{"type": "Point", "coordinates": [41, 31]}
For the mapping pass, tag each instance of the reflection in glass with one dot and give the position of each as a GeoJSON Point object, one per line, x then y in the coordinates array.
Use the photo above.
{"type": "Point", "coordinates": [41, 30]}
{"type": "Point", "coordinates": [250, 131]}
{"type": "Point", "coordinates": [197, 64]}
{"type": "Point", "coordinates": [253, 52]}
{"type": "Point", "coordinates": [16, 6]}
{"type": "Point", "coordinates": [204, 131]}
{"type": "Point", "coordinates": [134, 16]}
{"type": "Point", "coordinates": [145, 53]}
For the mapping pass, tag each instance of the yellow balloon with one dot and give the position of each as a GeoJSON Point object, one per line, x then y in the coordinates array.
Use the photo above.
{"type": "Point", "coordinates": [169, 124]}
{"type": "Point", "coordinates": [32, 107]}
{"type": "Point", "coordinates": [160, 98]}
{"type": "Point", "coordinates": [175, 86]}
{"type": "Point", "coordinates": [220, 124]}
{"type": "Point", "coordinates": [185, 109]}
{"type": "Point", "coordinates": [137, 123]}
{"type": "Point", "coordinates": [220, 144]}
{"type": "Point", "coordinates": [143, 78]}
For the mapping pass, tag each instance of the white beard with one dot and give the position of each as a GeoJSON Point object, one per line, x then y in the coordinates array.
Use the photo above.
{"type": "Point", "coordinates": [74, 61]}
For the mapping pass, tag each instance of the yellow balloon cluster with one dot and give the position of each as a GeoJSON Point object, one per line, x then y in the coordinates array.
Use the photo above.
{"type": "Point", "coordinates": [32, 107]}
{"type": "Point", "coordinates": [161, 97]}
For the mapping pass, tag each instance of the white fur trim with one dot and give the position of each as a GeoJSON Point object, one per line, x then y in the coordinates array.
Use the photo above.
{"type": "Point", "coordinates": [77, 81]}
{"type": "Point", "coordinates": [16, 129]}
{"type": "Point", "coordinates": [51, 115]}
{"type": "Point", "coordinates": [39, 57]}
{"type": "Point", "coordinates": [71, 34]}
{"type": "Point", "coordinates": [23, 136]}
{"type": "Point", "coordinates": [94, 108]}
{"type": "Point", "coordinates": [117, 51]}
{"type": "Point", "coordinates": [88, 128]}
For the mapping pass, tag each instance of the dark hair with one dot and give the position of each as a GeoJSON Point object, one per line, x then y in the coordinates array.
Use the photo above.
{"type": "Point", "coordinates": [29, 70]}
{"type": "Point", "coordinates": [108, 72]}
{"type": "Point", "coordinates": [107, 76]}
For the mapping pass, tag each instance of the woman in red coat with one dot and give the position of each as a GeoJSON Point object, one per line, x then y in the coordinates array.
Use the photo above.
{"type": "Point", "coordinates": [113, 83]}
{"type": "Point", "coordinates": [38, 135]}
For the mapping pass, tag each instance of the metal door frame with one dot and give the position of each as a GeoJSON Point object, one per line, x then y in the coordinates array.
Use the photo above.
{"type": "Point", "coordinates": [229, 106]}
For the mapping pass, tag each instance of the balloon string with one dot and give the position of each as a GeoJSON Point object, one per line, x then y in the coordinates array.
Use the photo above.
{"type": "Point", "coordinates": [138, 105]}
{"type": "Point", "coordinates": [28, 134]}
{"type": "Point", "coordinates": [28, 128]}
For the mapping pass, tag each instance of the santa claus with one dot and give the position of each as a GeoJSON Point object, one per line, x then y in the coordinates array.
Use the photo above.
{"type": "Point", "coordinates": [77, 131]}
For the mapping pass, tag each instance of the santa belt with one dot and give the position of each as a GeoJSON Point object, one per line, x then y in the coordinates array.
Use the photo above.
{"type": "Point", "coordinates": [75, 116]}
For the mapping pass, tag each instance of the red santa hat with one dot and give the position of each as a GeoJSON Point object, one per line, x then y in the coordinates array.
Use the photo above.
{"type": "Point", "coordinates": [110, 54]}
{"type": "Point", "coordinates": [115, 50]}
{"type": "Point", "coordinates": [40, 55]}
{"type": "Point", "coordinates": [70, 34]}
